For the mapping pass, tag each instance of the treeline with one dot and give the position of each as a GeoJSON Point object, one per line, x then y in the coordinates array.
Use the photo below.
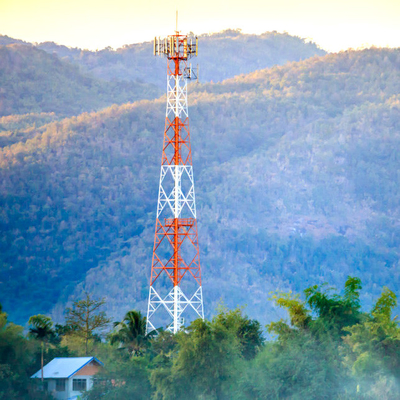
{"type": "Point", "coordinates": [328, 349]}
{"type": "Point", "coordinates": [294, 183]}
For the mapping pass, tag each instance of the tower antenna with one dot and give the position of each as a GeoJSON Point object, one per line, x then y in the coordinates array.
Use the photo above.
{"type": "Point", "coordinates": [175, 281]}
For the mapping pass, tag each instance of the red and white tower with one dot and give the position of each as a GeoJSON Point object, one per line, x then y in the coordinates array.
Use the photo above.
{"type": "Point", "coordinates": [175, 282]}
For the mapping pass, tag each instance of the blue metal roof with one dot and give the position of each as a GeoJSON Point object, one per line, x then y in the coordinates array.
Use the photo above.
{"type": "Point", "coordinates": [64, 367]}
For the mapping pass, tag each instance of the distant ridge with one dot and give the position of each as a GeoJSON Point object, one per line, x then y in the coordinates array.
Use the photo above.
{"type": "Point", "coordinates": [222, 55]}
{"type": "Point", "coordinates": [5, 40]}
{"type": "Point", "coordinates": [297, 183]}
{"type": "Point", "coordinates": [32, 80]}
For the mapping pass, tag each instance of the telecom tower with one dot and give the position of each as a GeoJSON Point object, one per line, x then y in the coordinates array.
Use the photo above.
{"type": "Point", "coordinates": [176, 260]}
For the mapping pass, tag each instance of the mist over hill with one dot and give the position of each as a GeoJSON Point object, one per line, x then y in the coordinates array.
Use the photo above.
{"type": "Point", "coordinates": [296, 171]}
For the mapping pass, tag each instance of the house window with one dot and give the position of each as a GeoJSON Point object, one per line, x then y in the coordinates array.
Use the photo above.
{"type": "Point", "coordinates": [60, 385]}
{"type": "Point", "coordinates": [78, 385]}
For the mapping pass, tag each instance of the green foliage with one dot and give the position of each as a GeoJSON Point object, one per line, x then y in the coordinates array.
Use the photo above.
{"type": "Point", "coordinates": [308, 360]}
{"type": "Point", "coordinates": [41, 328]}
{"type": "Point", "coordinates": [385, 305]}
{"type": "Point", "coordinates": [12, 354]}
{"type": "Point", "coordinates": [164, 347]}
{"type": "Point", "coordinates": [86, 319]}
{"type": "Point", "coordinates": [332, 350]}
{"type": "Point", "coordinates": [375, 345]}
{"type": "Point", "coordinates": [300, 367]}
{"type": "Point", "coordinates": [248, 331]}
{"type": "Point", "coordinates": [124, 379]}
{"type": "Point", "coordinates": [318, 358]}
{"type": "Point", "coordinates": [336, 311]}
{"type": "Point", "coordinates": [16, 363]}
{"type": "Point", "coordinates": [130, 333]}
{"type": "Point", "coordinates": [206, 364]}
{"type": "Point", "coordinates": [299, 315]}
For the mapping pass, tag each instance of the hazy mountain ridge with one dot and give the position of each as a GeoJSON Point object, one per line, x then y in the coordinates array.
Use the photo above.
{"type": "Point", "coordinates": [33, 81]}
{"type": "Point", "coordinates": [296, 182]}
{"type": "Point", "coordinates": [5, 40]}
{"type": "Point", "coordinates": [221, 55]}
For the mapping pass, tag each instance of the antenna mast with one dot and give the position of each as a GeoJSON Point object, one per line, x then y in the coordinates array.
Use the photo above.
{"type": "Point", "coordinates": [175, 282]}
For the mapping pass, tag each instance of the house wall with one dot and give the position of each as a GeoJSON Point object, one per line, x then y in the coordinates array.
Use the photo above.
{"type": "Point", "coordinates": [51, 384]}
{"type": "Point", "coordinates": [89, 384]}
{"type": "Point", "coordinates": [57, 395]}
{"type": "Point", "coordinates": [69, 392]}
{"type": "Point", "coordinates": [87, 373]}
{"type": "Point", "coordinates": [89, 369]}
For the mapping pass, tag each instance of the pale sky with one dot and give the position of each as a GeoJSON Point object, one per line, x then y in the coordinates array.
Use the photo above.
{"type": "Point", "coordinates": [94, 24]}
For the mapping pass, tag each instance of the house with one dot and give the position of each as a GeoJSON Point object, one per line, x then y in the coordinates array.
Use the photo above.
{"type": "Point", "coordinates": [68, 377]}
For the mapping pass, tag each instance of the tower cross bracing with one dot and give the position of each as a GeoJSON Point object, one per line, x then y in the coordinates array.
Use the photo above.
{"type": "Point", "coordinates": [176, 258]}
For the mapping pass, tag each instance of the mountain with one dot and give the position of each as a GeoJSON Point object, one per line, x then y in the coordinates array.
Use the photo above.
{"type": "Point", "coordinates": [33, 81]}
{"type": "Point", "coordinates": [296, 171]}
{"type": "Point", "coordinates": [221, 55]}
{"type": "Point", "coordinates": [5, 40]}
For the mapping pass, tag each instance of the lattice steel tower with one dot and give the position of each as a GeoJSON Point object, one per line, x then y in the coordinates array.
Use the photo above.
{"type": "Point", "coordinates": [175, 282]}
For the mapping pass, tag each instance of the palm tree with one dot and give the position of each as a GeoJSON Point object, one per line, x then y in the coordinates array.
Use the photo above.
{"type": "Point", "coordinates": [130, 333]}
{"type": "Point", "coordinates": [41, 330]}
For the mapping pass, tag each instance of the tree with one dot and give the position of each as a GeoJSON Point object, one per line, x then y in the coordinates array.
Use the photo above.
{"type": "Point", "coordinates": [131, 333]}
{"type": "Point", "coordinates": [14, 357]}
{"type": "Point", "coordinates": [374, 358]}
{"type": "Point", "coordinates": [86, 318]}
{"type": "Point", "coordinates": [307, 359]}
{"type": "Point", "coordinates": [123, 379]}
{"type": "Point", "coordinates": [206, 364]}
{"type": "Point", "coordinates": [298, 313]}
{"type": "Point", "coordinates": [248, 331]}
{"type": "Point", "coordinates": [42, 330]}
{"type": "Point", "coordinates": [335, 312]}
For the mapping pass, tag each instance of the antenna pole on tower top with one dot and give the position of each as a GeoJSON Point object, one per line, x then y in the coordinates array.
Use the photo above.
{"type": "Point", "coordinates": [175, 282]}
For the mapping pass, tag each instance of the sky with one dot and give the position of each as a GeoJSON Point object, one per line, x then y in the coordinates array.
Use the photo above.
{"type": "Point", "coordinates": [94, 24]}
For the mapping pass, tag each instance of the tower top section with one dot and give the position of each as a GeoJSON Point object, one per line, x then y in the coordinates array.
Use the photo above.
{"type": "Point", "coordinates": [176, 47]}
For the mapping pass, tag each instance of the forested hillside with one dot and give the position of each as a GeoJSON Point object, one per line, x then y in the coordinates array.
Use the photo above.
{"type": "Point", "coordinates": [19, 128]}
{"type": "Point", "coordinates": [222, 55]}
{"type": "Point", "coordinates": [33, 81]}
{"type": "Point", "coordinates": [296, 171]}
